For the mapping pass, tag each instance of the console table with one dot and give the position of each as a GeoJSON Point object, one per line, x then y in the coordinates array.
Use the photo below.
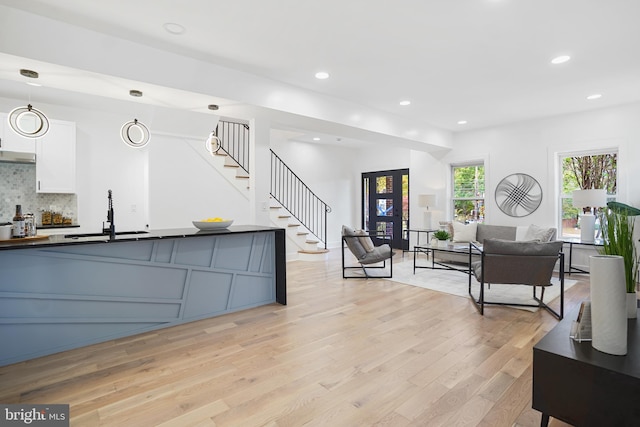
{"type": "Point", "coordinates": [582, 386]}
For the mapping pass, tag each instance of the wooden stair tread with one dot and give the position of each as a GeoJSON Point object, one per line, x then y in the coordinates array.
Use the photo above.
{"type": "Point", "coordinates": [317, 251]}
{"type": "Point", "coordinates": [293, 225]}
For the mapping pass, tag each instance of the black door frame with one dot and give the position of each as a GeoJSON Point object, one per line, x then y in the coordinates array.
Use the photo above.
{"type": "Point", "coordinates": [399, 238]}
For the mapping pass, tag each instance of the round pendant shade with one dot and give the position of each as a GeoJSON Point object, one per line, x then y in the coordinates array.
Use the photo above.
{"type": "Point", "coordinates": [28, 122]}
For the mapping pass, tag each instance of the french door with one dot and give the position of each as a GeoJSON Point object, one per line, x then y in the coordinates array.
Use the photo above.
{"type": "Point", "coordinates": [385, 206]}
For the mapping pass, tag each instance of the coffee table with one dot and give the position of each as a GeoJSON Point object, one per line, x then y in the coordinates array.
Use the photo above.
{"type": "Point", "coordinates": [460, 248]}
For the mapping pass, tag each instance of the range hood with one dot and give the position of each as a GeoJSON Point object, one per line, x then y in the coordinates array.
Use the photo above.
{"type": "Point", "coordinates": [17, 157]}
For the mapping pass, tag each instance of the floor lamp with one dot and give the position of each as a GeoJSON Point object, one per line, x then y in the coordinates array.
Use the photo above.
{"type": "Point", "coordinates": [424, 201]}
{"type": "Point", "coordinates": [592, 199]}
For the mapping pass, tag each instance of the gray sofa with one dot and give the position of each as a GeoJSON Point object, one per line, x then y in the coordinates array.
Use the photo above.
{"type": "Point", "coordinates": [502, 232]}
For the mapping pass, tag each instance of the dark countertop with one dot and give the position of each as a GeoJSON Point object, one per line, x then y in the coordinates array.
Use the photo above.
{"type": "Point", "coordinates": [61, 240]}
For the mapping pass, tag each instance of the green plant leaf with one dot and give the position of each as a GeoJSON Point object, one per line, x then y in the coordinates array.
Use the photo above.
{"type": "Point", "coordinates": [622, 209]}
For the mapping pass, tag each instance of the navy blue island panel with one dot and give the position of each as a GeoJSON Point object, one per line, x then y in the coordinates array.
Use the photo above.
{"type": "Point", "coordinates": [61, 293]}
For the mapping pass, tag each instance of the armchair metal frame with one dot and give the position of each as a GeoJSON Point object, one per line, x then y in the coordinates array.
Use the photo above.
{"type": "Point", "coordinates": [516, 277]}
{"type": "Point", "coordinates": [371, 260]}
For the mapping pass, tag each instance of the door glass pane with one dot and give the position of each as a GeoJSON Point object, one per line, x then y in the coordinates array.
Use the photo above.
{"type": "Point", "coordinates": [384, 184]}
{"type": "Point", "coordinates": [385, 228]}
{"type": "Point", "coordinates": [405, 204]}
{"type": "Point", "coordinates": [385, 207]}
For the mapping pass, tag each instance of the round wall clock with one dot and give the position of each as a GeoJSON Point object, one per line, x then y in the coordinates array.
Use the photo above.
{"type": "Point", "coordinates": [518, 195]}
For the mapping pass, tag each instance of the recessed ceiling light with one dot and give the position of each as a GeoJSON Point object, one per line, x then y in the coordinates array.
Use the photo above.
{"type": "Point", "coordinates": [462, 122]}
{"type": "Point", "coordinates": [173, 28]}
{"type": "Point", "coordinates": [594, 96]}
{"type": "Point", "coordinates": [560, 59]}
{"type": "Point", "coordinates": [405, 102]}
{"type": "Point", "coordinates": [321, 75]}
{"type": "Point", "coordinates": [316, 139]}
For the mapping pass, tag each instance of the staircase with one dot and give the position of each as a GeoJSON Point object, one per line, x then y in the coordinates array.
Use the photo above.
{"type": "Point", "coordinates": [296, 208]}
{"type": "Point", "coordinates": [308, 246]}
{"type": "Point", "coordinates": [293, 206]}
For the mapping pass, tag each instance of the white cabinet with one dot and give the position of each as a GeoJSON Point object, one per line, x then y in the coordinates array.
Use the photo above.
{"type": "Point", "coordinates": [56, 159]}
{"type": "Point", "coordinates": [11, 141]}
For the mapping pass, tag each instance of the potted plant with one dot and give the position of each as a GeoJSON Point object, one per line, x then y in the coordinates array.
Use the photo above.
{"type": "Point", "coordinates": [617, 233]}
{"type": "Point", "coordinates": [441, 237]}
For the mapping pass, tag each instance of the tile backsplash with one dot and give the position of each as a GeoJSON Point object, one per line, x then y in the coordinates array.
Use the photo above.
{"type": "Point", "coordinates": [17, 187]}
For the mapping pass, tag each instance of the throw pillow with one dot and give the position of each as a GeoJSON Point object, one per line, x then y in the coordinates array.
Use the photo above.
{"type": "Point", "coordinates": [521, 232]}
{"type": "Point", "coordinates": [353, 242]}
{"type": "Point", "coordinates": [365, 240]}
{"type": "Point", "coordinates": [464, 232]}
{"type": "Point", "coordinates": [538, 233]}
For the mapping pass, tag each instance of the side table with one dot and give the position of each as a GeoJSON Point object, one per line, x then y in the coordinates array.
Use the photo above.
{"type": "Point", "coordinates": [582, 386]}
{"type": "Point", "coordinates": [577, 241]}
{"type": "Point", "coordinates": [427, 231]}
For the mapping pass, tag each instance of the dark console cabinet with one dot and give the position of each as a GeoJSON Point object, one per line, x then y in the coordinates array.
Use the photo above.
{"type": "Point", "coordinates": [582, 386]}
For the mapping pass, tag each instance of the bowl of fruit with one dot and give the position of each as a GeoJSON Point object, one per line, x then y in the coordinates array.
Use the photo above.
{"type": "Point", "coordinates": [212, 223]}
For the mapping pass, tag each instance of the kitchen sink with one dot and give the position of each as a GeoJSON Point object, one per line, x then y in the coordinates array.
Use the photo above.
{"type": "Point", "coordinates": [118, 233]}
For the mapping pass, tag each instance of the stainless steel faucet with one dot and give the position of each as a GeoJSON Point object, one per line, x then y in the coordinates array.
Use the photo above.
{"type": "Point", "coordinates": [109, 226]}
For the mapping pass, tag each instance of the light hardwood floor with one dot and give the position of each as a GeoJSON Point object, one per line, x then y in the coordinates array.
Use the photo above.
{"type": "Point", "coordinates": [341, 353]}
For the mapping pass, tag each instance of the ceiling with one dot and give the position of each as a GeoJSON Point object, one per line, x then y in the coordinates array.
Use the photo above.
{"type": "Point", "coordinates": [486, 62]}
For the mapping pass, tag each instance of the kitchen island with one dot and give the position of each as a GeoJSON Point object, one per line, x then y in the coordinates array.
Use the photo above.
{"type": "Point", "coordinates": [66, 292]}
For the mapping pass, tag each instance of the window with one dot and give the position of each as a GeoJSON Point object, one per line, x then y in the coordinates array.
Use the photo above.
{"type": "Point", "coordinates": [584, 170]}
{"type": "Point", "coordinates": [468, 192]}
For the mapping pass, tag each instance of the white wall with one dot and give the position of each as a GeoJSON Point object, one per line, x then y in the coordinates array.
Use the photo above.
{"type": "Point", "coordinates": [532, 147]}
{"type": "Point", "coordinates": [184, 186]}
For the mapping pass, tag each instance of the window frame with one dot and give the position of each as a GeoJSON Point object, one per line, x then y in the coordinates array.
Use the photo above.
{"type": "Point", "coordinates": [475, 163]}
{"type": "Point", "coordinates": [562, 197]}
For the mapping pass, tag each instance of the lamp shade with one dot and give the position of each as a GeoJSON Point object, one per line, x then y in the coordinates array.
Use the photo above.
{"type": "Point", "coordinates": [426, 200]}
{"type": "Point", "coordinates": [589, 198]}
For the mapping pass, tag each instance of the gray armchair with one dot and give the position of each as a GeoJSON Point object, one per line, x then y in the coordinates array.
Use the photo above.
{"type": "Point", "coordinates": [518, 263]}
{"type": "Point", "coordinates": [360, 245]}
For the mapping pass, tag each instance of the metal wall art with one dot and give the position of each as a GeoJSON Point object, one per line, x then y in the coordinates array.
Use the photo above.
{"type": "Point", "coordinates": [518, 195]}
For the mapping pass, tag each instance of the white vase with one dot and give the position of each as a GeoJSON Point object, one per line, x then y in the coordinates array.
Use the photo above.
{"type": "Point", "coordinates": [608, 304]}
{"type": "Point", "coordinates": [443, 243]}
{"type": "Point", "coordinates": [632, 305]}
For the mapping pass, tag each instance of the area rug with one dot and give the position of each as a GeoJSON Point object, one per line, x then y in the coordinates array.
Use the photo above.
{"type": "Point", "coordinates": [457, 283]}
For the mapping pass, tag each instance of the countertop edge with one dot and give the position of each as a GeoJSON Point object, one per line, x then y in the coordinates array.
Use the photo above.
{"type": "Point", "coordinates": [174, 233]}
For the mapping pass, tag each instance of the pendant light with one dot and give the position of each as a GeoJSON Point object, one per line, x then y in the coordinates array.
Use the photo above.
{"type": "Point", "coordinates": [213, 143]}
{"type": "Point", "coordinates": [133, 133]}
{"type": "Point", "coordinates": [27, 121]}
